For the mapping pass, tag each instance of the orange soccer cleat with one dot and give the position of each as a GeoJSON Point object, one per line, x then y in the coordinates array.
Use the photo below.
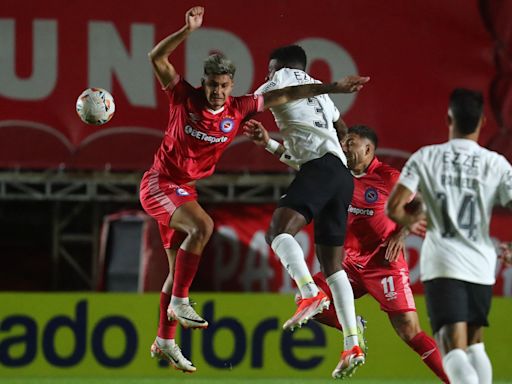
{"type": "Point", "coordinates": [349, 362]}
{"type": "Point", "coordinates": [306, 310]}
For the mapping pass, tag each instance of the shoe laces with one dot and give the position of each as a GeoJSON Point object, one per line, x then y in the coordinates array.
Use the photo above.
{"type": "Point", "coordinates": [186, 310]}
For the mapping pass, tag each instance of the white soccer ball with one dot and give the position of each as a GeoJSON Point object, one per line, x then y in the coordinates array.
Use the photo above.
{"type": "Point", "coordinates": [95, 106]}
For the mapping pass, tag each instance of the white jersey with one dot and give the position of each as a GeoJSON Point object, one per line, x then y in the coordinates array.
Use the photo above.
{"type": "Point", "coordinates": [306, 124]}
{"type": "Point", "coordinates": [460, 183]}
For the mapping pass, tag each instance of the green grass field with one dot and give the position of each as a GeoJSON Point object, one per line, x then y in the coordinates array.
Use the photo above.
{"type": "Point", "coordinates": [192, 380]}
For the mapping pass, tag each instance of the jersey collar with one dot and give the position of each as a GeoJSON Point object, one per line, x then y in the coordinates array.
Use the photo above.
{"type": "Point", "coordinates": [373, 164]}
{"type": "Point", "coordinates": [461, 141]}
{"type": "Point", "coordinates": [213, 112]}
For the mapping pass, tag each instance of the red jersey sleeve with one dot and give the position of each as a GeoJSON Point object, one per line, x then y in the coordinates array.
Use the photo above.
{"type": "Point", "coordinates": [178, 91]}
{"type": "Point", "coordinates": [248, 105]}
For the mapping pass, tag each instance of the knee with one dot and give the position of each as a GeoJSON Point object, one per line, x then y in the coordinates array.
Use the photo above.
{"type": "Point", "coordinates": [202, 231]}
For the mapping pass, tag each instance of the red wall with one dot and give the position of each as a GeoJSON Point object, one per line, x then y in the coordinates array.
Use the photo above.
{"type": "Point", "coordinates": [414, 51]}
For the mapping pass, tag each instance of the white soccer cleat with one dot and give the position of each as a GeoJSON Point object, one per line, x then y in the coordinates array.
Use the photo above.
{"type": "Point", "coordinates": [173, 356]}
{"type": "Point", "coordinates": [361, 328]}
{"type": "Point", "coordinates": [186, 315]}
{"type": "Point", "coordinates": [306, 310]}
{"type": "Point", "coordinates": [349, 362]}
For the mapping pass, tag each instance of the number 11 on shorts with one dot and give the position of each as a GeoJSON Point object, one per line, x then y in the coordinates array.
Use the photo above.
{"type": "Point", "coordinates": [389, 287]}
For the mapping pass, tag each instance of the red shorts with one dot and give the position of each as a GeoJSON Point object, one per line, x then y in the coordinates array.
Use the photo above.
{"type": "Point", "coordinates": [389, 285]}
{"type": "Point", "coordinates": [160, 197]}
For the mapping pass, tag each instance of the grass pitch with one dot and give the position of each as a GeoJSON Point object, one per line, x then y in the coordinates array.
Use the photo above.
{"type": "Point", "coordinates": [187, 379]}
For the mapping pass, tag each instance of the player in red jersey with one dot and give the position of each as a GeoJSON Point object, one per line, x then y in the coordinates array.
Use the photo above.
{"type": "Point", "coordinates": [374, 259]}
{"type": "Point", "coordinates": [202, 123]}
{"type": "Point", "coordinates": [374, 244]}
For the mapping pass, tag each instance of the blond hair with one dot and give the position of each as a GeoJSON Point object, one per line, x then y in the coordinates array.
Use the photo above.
{"type": "Point", "coordinates": [218, 64]}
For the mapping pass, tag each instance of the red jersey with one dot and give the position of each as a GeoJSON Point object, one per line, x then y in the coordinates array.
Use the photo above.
{"type": "Point", "coordinates": [196, 136]}
{"type": "Point", "coordinates": [368, 225]}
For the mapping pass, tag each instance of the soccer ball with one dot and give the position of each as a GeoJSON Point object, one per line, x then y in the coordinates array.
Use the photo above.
{"type": "Point", "coordinates": [95, 106]}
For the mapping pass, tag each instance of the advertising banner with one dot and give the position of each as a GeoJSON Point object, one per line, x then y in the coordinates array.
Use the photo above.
{"type": "Point", "coordinates": [415, 53]}
{"type": "Point", "coordinates": [95, 335]}
{"type": "Point", "coordinates": [238, 259]}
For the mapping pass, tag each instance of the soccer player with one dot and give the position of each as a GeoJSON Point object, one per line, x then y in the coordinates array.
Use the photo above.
{"type": "Point", "coordinates": [322, 189]}
{"type": "Point", "coordinates": [202, 122]}
{"type": "Point", "coordinates": [460, 183]}
{"type": "Point", "coordinates": [374, 260]}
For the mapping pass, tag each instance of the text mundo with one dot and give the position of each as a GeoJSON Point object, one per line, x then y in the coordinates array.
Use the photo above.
{"type": "Point", "coordinates": [23, 332]}
{"type": "Point", "coordinates": [108, 55]}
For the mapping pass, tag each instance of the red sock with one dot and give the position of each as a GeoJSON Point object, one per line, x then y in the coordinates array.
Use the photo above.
{"type": "Point", "coordinates": [426, 347]}
{"type": "Point", "coordinates": [166, 328]}
{"type": "Point", "coordinates": [184, 272]}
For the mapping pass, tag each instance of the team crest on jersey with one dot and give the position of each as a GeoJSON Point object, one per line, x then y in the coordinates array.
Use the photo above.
{"type": "Point", "coordinates": [182, 192]}
{"type": "Point", "coordinates": [371, 195]}
{"type": "Point", "coordinates": [227, 124]}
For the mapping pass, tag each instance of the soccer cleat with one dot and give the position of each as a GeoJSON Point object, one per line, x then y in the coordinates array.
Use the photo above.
{"type": "Point", "coordinates": [306, 310]}
{"type": "Point", "coordinates": [349, 362]}
{"type": "Point", "coordinates": [186, 315]}
{"type": "Point", "coordinates": [173, 356]}
{"type": "Point", "coordinates": [361, 328]}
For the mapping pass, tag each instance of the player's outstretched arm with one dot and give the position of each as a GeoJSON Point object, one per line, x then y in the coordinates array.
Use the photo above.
{"type": "Point", "coordinates": [348, 84]}
{"type": "Point", "coordinates": [401, 209]}
{"type": "Point", "coordinates": [159, 55]}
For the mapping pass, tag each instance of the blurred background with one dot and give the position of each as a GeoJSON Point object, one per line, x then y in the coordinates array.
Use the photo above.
{"type": "Point", "coordinates": [70, 220]}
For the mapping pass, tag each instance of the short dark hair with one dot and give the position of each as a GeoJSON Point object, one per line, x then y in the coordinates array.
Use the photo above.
{"type": "Point", "coordinates": [366, 132]}
{"type": "Point", "coordinates": [291, 56]}
{"type": "Point", "coordinates": [466, 108]}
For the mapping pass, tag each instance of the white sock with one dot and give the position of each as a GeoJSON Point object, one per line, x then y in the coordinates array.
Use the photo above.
{"type": "Point", "coordinates": [292, 257]}
{"type": "Point", "coordinates": [165, 343]}
{"type": "Point", "coordinates": [458, 368]}
{"type": "Point", "coordinates": [179, 300]}
{"type": "Point", "coordinates": [480, 361]}
{"type": "Point", "coordinates": [343, 298]}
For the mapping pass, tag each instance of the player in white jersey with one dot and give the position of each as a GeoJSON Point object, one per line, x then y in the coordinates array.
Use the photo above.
{"type": "Point", "coordinates": [460, 183]}
{"type": "Point", "coordinates": [322, 189]}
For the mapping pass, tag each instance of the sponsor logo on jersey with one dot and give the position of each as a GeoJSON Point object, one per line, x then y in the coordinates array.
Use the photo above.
{"type": "Point", "coordinates": [371, 195]}
{"type": "Point", "coordinates": [227, 124]}
{"type": "Point", "coordinates": [204, 136]}
{"type": "Point", "coordinates": [182, 192]}
{"type": "Point", "coordinates": [360, 211]}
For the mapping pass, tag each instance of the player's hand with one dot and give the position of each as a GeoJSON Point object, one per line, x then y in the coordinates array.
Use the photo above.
{"type": "Point", "coordinates": [350, 84]}
{"type": "Point", "coordinates": [395, 245]}
{"type": "Point", "coordinates": [506, 253]}
{"type": "Point", "coordinates": [194, 18]}
{"type": "Point", "coordinates": [419, 228]}
{"type": "Point", "coordinates": [255, 131]}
